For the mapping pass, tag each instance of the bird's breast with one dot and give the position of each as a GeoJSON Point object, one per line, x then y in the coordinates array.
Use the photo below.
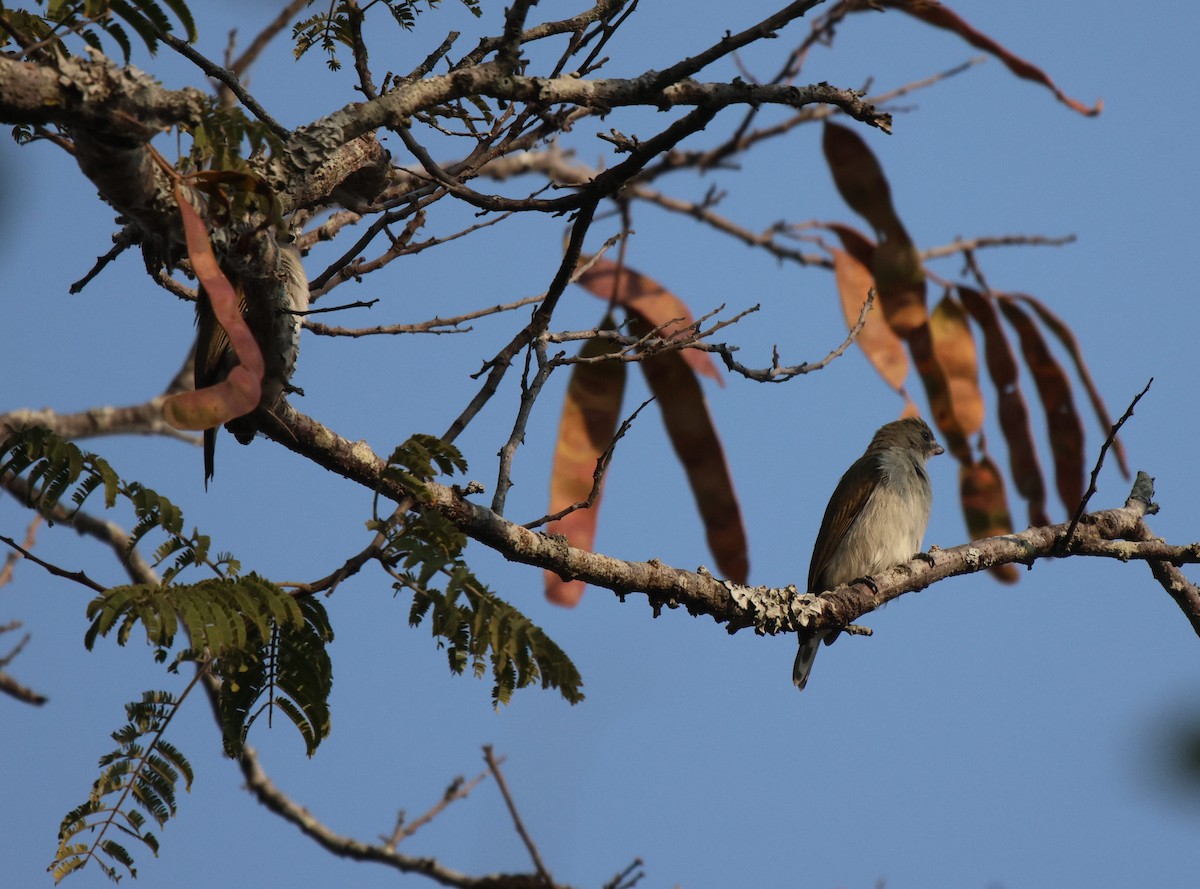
{"type": "Point", "coordinates": [886, 532]}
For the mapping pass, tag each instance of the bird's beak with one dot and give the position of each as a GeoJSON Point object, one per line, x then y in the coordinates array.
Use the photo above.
{"type": "Point", "coordinates": [938, 449]}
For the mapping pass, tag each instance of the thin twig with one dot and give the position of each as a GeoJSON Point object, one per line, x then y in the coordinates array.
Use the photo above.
{"type": "Point", "coordinates": [530, 390]}
{"type": "Point", "coordinates": [627, 879]}
{"type": "Point", "coordinates": [77, 576]}
{"type": "Point", "coordinates": [498, 366]}
{"type": "Point", "coordinates": [434, 325]}
{"type": "Point", "coordinates": [122, 240]}
{"type": "Point", "coordinates": [494, 767]}
{"type": "Point", "coordinates": [228, 78]}
{"type": "Point", "coordinates": [779, 374]}
{"type": "Point", "coordinates": [1112, 435]}
{"type": "Point", "coordinates": [602, 464]}
{"type": "Point", "coordinates": [23, 693]}
{"type": "Point", "coordinates": [9, 685]}
{"type": "Point", "coordinates": [968, 245]}
{"type": "Point", "coordinates": [458, 789]}
{"type": "Point", "coordinates": [6, 573]}
{"type": "Point", "coordinates": [266, 35]}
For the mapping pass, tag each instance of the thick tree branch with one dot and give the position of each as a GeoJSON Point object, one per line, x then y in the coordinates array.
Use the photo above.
{"type": "Point", "coordinates": [1114, 533]}
{"type": "Point", "coordinates": [137, 419]}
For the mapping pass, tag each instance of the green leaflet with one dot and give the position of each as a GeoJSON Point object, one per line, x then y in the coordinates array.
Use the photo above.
{"type": "Point", "coordinates": [336, 25]}
{"type": "Point", "coordinates": [477, 627]}
{"type": "Point", "coordinates": [141, 774]}
{"type": "Point", "coordinates": [289, 670]}
{"type": "Point", "coordinates": [54, 469]}
{"type": "Point", "coordinates": [91, 18]}
{"type": "Point", "coordinates": [267, 648]}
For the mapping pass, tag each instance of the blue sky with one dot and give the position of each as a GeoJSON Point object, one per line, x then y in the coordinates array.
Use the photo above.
{"type": "Point", "coordinates": [986, 736]}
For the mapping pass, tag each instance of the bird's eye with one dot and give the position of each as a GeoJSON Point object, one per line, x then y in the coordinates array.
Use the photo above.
{"type": "Point", "coordinates": [926, 435]}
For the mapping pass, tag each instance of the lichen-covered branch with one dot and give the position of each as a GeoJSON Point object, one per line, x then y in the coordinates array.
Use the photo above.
{"type": "Point", "coordinates": [1115, 533]}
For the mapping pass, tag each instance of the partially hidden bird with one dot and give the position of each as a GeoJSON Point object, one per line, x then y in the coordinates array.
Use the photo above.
{"type": "Point", "coordinates": [874, 521]}
{"type": "Point", "coordinates": [272, 305]}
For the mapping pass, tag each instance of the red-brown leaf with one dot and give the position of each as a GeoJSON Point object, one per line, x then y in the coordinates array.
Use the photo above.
{"type": "Point", "coordinates": [859, 178]}
{"type": "Point", "coordinates": [901, 281]}
{"type": "Point", "coordinates": [590, 413]}
{"type": "Point", "coordinates": [694, 437]}
{"type": "Point", "coordinates": [239, 393]}
{"type": "Point", "coordinates": [933, 13]}
{"type": "Point", "coordinates": [1062, 419]}
{"type": "Point", "coordinates": [852, 272]}
{"type": "Point", "coordinates": [955, 350]}
{"type": "Point", "coordinates": [896, 265]}
{"type": "Point", "coordinates": [1014, 415]}
{"type": "Point", "coordinates": [650, 301]}
{"type": "Point", "coordinates": [985, 507]}
{"type": "Point", "coordinates": [1064, 335]}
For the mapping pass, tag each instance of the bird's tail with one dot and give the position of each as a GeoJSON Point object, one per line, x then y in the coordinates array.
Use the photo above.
{"type": "Point", "coordinates": [804, 659]}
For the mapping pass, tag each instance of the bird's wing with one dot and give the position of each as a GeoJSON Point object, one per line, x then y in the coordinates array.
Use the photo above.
{"type": "Point", "coordinates": [844, 507]}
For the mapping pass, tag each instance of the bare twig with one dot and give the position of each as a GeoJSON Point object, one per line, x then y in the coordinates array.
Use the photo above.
{"type": "Point", "coordinates": [434, 325]}
{"type": "Point", "coordinates": [1112, 436]}
{"type": "Point", "coordinates": [10, 561]}
{"type": "Point", "coordinates": [779, 374]}
{"type": "Point", "coordinates": [497, 366]}
{"type": "Point", "coordinates": [122, 241]}
{"type": "Point", "coordinates": [530, 390]}
{"type": "Point", "coordinates": [602, 464]}
{"type": "Point", "coordinates": [226, 77]}
{"type": "Point", "coordinates": [265, 791]}
{"type": "Point", "coordinates": [627, 878]}
{"type": "Point", "coordinates": [9, 685]}
{"type": "Point", "coordinates": [266, 35]}
{"type": "Point", "coordinates": [969, 245]}
{"type": "Point", "coordinates": [23, 693]}
{"type": "Point", "coordinates": [494, 768]}
{"type": "Point", "coordinates": [78, 576]}
{"type": "Point", "coordinates": [458, 789]}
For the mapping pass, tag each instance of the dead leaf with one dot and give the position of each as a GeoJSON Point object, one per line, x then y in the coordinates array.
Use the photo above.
{"type": "Point", "coordinates": [852, 272]}
{"type": "Point", "coordinates": [896, 264]}
{"type": "Point", "coordinates": [985, 507]}
{"type": "Point", "coordinates": [955, 350]}
{"type": "Point", "coordinates": [1064, 335]}
{"type": "Point", "coordinates": [937, 390]}
{"type": "Point", "coordinates": [1014, 415]}
{"type": "Point", "coordinates": [933, 13]}
{"type": "Point", "coordinates": [694, 438]}
{"type": "Point", "coordinates": [239, 393]}
{"type": "Point", "coordinates": [650, 301]}
{"type": "Point", "coordinates": [1054, 389]}
{"type": "Point", "coordinates": [590, 415]}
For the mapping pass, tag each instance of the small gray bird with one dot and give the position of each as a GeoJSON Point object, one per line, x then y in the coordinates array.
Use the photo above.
{"type": "Point", "coordinates": [874, 521]}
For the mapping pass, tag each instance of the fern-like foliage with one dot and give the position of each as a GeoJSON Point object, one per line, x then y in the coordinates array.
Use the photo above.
{"type": "Point", "coordinates": [267, 648]}
{"type": "Point", "coordinates": [476, 626]}
{"type": "Point", "coordinates": [57, 470]}
{"type": "Point", "coordinates": [419, 460]}
{"type": "Point", "coordinates": [93, 18]}
{"type": "Point", "coordinates": [334, 26]}
{"type": "Point", "coordinates": [289, 670]}
{"type": "Point", "coordinates": [142, 773]}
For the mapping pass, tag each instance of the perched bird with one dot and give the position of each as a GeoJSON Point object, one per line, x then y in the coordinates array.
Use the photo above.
{"type": "Point", "coordinates": [269, 305]}
{"type": "Point", "coordinates": [874, 521]}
